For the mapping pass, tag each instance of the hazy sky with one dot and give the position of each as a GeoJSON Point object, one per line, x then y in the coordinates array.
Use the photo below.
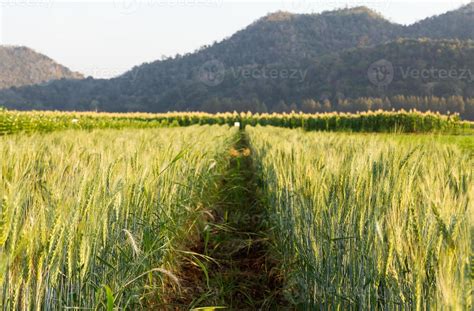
{"type": "Point", "coordinates": [104, 39]}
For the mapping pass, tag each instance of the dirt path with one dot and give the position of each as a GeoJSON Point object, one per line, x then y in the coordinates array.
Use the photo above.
{"type": "Point", "coordinates": [242, 275]}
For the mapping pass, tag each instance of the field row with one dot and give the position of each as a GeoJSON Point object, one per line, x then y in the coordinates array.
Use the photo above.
{"type": "Point", "coordinates": [90, 219]}
{"type": "Point", "coordinates": [369, 221]}
{"type": "Point", "coordinates": [106, 219]}
{"type": "Point", "coordinates": [377, 121]}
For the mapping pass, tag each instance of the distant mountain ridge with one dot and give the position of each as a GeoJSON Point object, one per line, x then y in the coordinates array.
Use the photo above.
{"type": "Point", "coordinates": [334, 50]}
{"type": "Point", "coordinates": [21, 66]}
{"type": "Point", "coordinates": [453, 24]}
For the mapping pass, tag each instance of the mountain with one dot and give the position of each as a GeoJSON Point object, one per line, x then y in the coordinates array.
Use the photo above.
{"type": "Point", "coordinates": [279, 62]}
{"type": "Point", "coordinates": [454, 24]}
{"type": "Point", "coordinates": [20, 66]}
{"type": "Point", "coordinates": [283, 37]}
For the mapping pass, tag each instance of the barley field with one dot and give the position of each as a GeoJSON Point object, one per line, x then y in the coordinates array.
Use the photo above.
{"type": "Point", "coordinates": [97, 220]}
{"type": "Point", "coordinates": [368, 221]}
{"type": "Point", "coordinates": [183, 211]}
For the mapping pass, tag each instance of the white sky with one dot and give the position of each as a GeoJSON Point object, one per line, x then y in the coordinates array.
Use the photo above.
{"type": "Point", "coordinates": [104, 39]}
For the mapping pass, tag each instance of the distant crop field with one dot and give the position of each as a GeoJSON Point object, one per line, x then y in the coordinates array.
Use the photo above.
{"type": "Point", "coordinates": [117, 212]}
{"type": "Point", "coordinates": [373, 121]}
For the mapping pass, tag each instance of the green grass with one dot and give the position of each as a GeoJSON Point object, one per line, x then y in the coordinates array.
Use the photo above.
{"type": "Point", "coordinates": [369, 221]}
{"type": "Point", "coordinates": [102, 219]}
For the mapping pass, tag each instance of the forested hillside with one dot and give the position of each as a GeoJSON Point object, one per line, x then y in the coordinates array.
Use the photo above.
{"type": "Point", "coordinates": [20, 66]}
{"type": "Point", "coordinates": [281, 62]}
{"type": "Point", "coordinates": [454, 24]}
